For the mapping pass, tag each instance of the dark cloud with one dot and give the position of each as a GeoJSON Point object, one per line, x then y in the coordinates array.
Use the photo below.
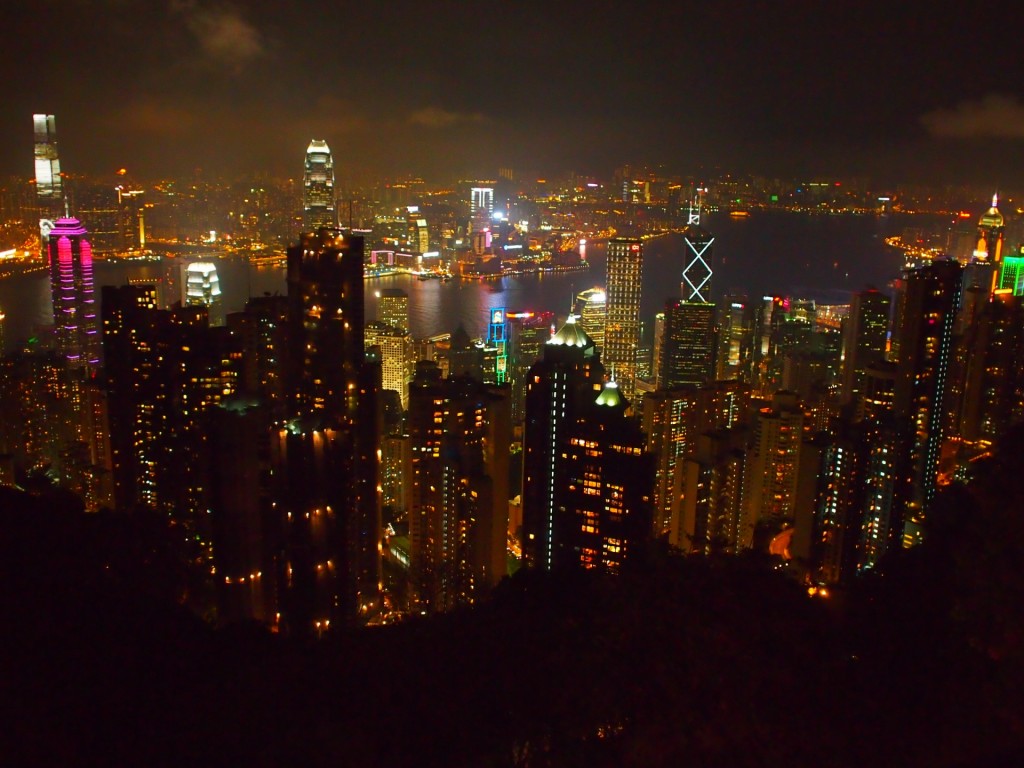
{"type": "Point", "coordinates": [995, 116]}
{"type": "Point", "coordinates": [224, 35]}
{"type": "Point", "coordinates": [435, 117]}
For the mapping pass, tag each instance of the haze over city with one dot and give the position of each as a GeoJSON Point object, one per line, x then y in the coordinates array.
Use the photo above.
{"type": "Point", "coordinates": [892, 91]}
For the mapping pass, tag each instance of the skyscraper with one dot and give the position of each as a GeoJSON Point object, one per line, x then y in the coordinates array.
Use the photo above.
{"type": "Point", "coordinates": [864, 339]}
{"type": "Point", "coordinates": [459, 432]}
{"type": "Point", "coordinates": [559, 388]}
{"type": "Point", "coordinates": [71, 285]}
{"type": "Point", "coordinates": [928, 310]}
{"type": "Point", "coordinates": [393, 308]}
{"type": "Point", "coordinates": [481, 207]}
{"type": "Point", "coordinates": [318, 205]}
{"type": "Point", "coordinates": [622, 325]}
{"type": "Point", "coordinates": [696, 283]}
{"type": "Point", "coordinates": [688, 344]}
{"type": "Point", "coordinates": [49, 183]}
{"type": "Point", "coordinates": [202, 288]}
{"type": "Point", "coordinates": [328, 450]}
{"type": "Point", "coordinates": [591, 306]}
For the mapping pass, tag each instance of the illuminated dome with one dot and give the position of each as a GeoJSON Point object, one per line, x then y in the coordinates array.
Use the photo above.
{"type": "Point", "coordinates": [611, 396]}
{"type": "Point", "coordinates": [571, 335]}
{"type": "Point", "coordinates": [992, 218]}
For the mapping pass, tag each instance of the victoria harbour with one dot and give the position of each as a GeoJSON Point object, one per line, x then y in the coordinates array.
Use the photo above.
{"type": "Point", "coordinates": [770, 253]}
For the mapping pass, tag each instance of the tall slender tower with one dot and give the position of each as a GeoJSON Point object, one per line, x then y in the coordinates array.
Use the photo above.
{"type": "Point", "coordinates": [864, 337]}
{"type": "Point", "coordinates": [71, 284]}
{"type": "Point", "coordinates": [622, 307]}
{"type": "Point", "coordinates": [49, 183]}
{"type": "Point", "coordinates": [696, 284]}
{"type": "Point", "coordinates": [318, 208]}
{"type": "Point", "coordinates": [928, 311]}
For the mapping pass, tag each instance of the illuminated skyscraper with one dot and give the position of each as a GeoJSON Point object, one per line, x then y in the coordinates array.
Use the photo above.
{"type": "Point", "coordinates": [1011, 274]}
{"type": "Point", "coordinates": [71, 284]}
{"type": "Point", "coordinates": [864, 339]}
{"type": "Point", "coordinates": [688, 344]}
{"type": "Point", "coordinates": [990, 234]}
{"type": "Point", "coordinates": [327, 453]}
{"type": "Point", "coordinates": [49, 183]}
{"type": "Point", "coordinates": [481, 207]}
{"type": "Point", "coordinates": [927, 312]}
{"type": "Point", "coordinates": [587, 479]}
{"type": "Point", "coordinates": [202, 288]}
{"type": "Point", "coordinates": [459, 431]}
{"type": "Point", "coordinates": [591, 305]}
{"type": "Point", "coordinates": [622, 325]}
{"type": "Point", "coordinates": [696, 284]}
{"type": "Point", "coordinates": [393, 308]}
{"type": "Point", "coordinates": [395, 357]}
{"type": "Point", "coordinates": [318, 206]}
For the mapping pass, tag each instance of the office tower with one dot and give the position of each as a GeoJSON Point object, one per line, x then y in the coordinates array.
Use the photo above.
{"type": "Point", "coordinates": [737, 340]}
{"type": "Point", "coordinates": [318, 205]}
{"type": "Point", "coordinates": [773, 457]}
{"type": "Point", "coordinates": [49, 182]}
{"type": "Point", "coordinates": [529, 331]}
{"type": "Point", "coordinates": [656, 348]}
{"type": "Point", "coordinates": [418, 232]}
{"type": "Point", "coordinates": [393, 308]}
{"type": "Point", "coordinates": [696, 283]}
{"type": "Point", "coordinates": [591, 307]}
{"type": "Point", "coordinates": [497, 346]}
{"type": "Point", "coordinates": [395, 358]}
{"type": "Point", "coordinates": [712, 481]}
{"type": "Point", "coordinates": [990, 234]}
{"type": "Point", "coordinates": [1011, 274]}
{"type": "Point", "coordinates": [688, 344]}
{"type": "Point", "coordinates": [328, 450]}
{"type": "Point", "coordinates": [71, 283]}
{"type": "Point", "coordinates": [481, 207]}
{"type": "Point", "coordinates": [459, 433]}
{"type": "Point", "coordinates": [465, 357]}
{"type": "Point", "coordinates": [993, 393]}
{"type": "Point", "coordinates": [789, 327]}
{"type": "Point", "coordinates": [864, 339]}
{"type": "Point", "coordinates": [202, 288]}
{"type": "Point", "coordinates": [622, 327]}
{"type": "Point", "coordinates": [925, 329]}
{"type": "Point", "coordinates": [560, 387]}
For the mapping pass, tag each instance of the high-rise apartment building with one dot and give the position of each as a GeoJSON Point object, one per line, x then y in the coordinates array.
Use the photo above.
{"type": "Point", "coordinates": [864, 339]}
{"type": "Point", "coordinates": [328, 450]}
{"type": "Point", "coordinates": [622, 326]}
{"type": "Point", "coordinates": [457, 495]}
{"type": "Point", "coordinates": [395, 357]}
{"type": "Point", "coordinates": [71, 282]}
{"type": "Point", "coordinates": [927, 312]}
{"type": "Point", "coordinates": [318, 203]}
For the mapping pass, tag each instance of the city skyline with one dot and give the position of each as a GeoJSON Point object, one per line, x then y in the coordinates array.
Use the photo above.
{"type": "Point", "coordinates": [899, 95]}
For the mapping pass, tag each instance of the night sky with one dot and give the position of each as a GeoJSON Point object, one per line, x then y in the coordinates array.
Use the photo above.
{"type": "Point", "coordinates": [894, 91]}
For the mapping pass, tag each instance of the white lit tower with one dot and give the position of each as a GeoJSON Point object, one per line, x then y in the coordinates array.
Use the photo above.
{"type": "Point", "coordinates": [49, 183]}
{"type": "Point", "coordinates": [481, 207]}
{"type": "Point", "coordinates": [318, 209]}
{"type": "Point", "coordinates": [202, 288]}
{"type": "Point", "coordinates": [696, 284]}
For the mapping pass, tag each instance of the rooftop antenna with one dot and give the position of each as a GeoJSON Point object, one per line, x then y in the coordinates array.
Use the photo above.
{"type": "Point", "coordinates": [67, 210]}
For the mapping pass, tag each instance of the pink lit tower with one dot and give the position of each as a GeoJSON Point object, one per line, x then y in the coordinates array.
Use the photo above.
{"type": "Point", "coordinates": [74, 307]}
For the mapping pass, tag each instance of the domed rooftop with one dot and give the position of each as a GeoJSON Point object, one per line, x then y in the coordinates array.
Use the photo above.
{"type": "Point", "coordinates": [992, 218]}
{"type": "Point", "coordinates": [571, 335]}
{"type": "Point", "coordinates": [611, 396]}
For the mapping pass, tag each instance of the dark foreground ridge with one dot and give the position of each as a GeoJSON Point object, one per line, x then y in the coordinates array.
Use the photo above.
{"type": "Point", "coordinates": [687, 662]}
